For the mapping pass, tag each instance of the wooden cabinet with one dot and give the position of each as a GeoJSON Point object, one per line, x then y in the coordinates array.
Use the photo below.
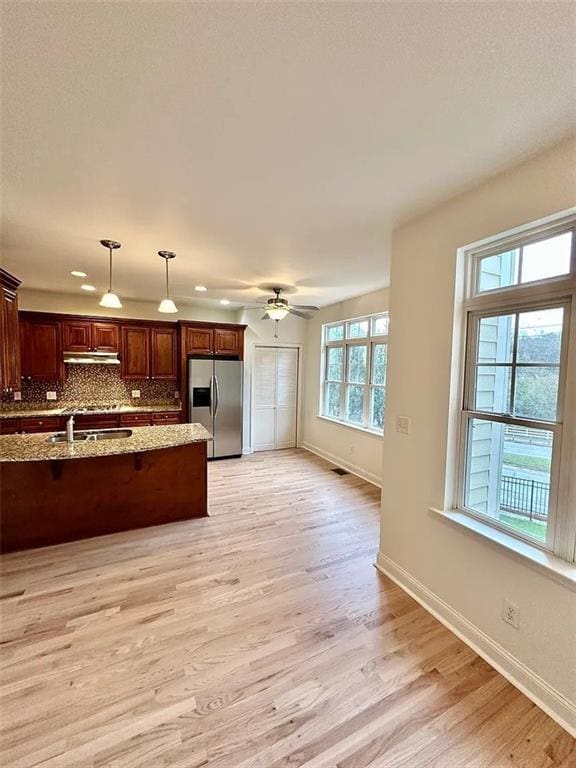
{"type": "Point", "coordinates": [77, 335]}
{"type": "Point", "coordinates": [227, 341]}
{"type": "Point", "coordinates": [105, 337]}
{"type": "Point", "coordinates": [9, 333]}
{"type": "Point", "coordinates": [88, 336]}
{"type": "Point", "coordinates": [9, 426]}
{"type": "Point", "coordinates": [166, 417]}
{"type": "Point", "coordinates": [41, 349]}
{"type": "Point", "coordinates": [199, 341]}
{"type": "Point", "coordinates": [42, 424]}
{"type": "Point", "coordinates": [97, 421]}
{"type": "Point", "coordinates": [219, 340]}
{"type": "Point", "coordinates": [135, 352]}
{"type": "Point", "coordinates": [163, 358]}
{"type": "Point", "coordinates": [148, 353]}
{"type": "Point", "coordinates": [136, 420]}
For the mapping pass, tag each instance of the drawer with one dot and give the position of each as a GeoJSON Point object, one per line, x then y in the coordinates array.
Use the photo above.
{"type": "Point", "coordinates": [41, 424]}
{"type": "Point", "coordinates": [166, 418]}
{"type": "Point", "coordinates": [9, 426]}
{"type": "Point", "coordinates": [102, 421]}
{"type": "Point", "coordinates": [136, 420]}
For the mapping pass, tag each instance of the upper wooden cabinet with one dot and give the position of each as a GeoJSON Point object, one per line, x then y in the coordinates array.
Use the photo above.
{"type": "Point", "coordinates": [9, 333]}
{"type": "Point", "coordinates": [148, 352]}
{"type": "Point", "coordinates": [41, 349]}
{"type": "Point", "coordinates": [90, 336]}
{"type": "Point", "coordinates": [216, 340]}
{"type": "Point", "coordinates": [135, 352]}
{"type": "Point", "coordinates": [199, 341]}
{"type": "Point", "coordinates": [228, 341]}
{"type": "Point", "coordinates": [163, 353]}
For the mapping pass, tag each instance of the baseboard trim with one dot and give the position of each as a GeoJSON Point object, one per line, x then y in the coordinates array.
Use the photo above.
{"type": "Point", "coordinates": [551, 701]}
{"type": "Point", "coordinates": [370, 477]}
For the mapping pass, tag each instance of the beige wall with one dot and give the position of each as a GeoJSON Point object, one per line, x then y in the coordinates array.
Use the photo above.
{"type": "Point", "coordinates": [469, 575]}
{"type": "Point", "coordinates": [361, 452]}
{"type": "Point", "coordinates": [87, 304]}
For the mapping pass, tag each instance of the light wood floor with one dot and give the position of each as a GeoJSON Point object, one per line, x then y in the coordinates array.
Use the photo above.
{"type": "Point", "coordinates": [258, 638]}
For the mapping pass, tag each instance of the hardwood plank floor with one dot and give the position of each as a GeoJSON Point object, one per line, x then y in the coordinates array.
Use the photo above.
{"type": "Point", "coordinates": [260, 637]}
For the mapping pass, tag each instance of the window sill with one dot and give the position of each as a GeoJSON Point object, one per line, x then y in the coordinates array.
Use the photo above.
{"type": "Point", "coordinates": [553, 567]}
{"type": "Point", "coordinates": [357, 427]}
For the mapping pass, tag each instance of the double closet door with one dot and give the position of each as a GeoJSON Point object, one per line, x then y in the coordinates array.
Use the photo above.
{"type": "Point", "coordinates": [275, 398]}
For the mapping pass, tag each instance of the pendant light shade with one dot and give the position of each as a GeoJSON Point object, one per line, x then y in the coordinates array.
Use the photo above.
{"type": "Point", "coordinates": [167, 305]}
{"type": "Point", "coordinates": [110, 299]}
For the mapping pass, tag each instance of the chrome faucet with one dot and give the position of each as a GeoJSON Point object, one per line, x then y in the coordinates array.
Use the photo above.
{"type": "Point", "coordinates": [70, 429]}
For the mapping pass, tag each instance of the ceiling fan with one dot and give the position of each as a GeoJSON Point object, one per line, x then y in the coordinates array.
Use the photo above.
{"type": "Point", "coordinates": [277, 308]}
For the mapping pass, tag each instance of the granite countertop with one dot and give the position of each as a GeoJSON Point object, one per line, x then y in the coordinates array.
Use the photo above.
{"type": "Point", "coordinates": [36, 447]}
{"type": "Point", "coordinates": [36, 411]}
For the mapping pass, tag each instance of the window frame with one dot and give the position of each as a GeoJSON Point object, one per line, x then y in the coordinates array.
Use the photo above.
{"type": "Point", "coordinates": [522, 297]}
{"type": "Point", "coordinates": [346, 344]}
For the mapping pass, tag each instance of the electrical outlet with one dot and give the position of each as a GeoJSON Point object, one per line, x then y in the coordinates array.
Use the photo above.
{"type": "Point", "coordinates": [135, 393]}
{"type": "Point", "coordinates": [50, 395]}
{"type": "Point", "coordinates": [403, 425]}
{"type": "Point", "coordinates": [176, 395]}
{"type": "Point", "coordinates": [17, 395]}
{"type": "Point", "coordinates": [511, 613]}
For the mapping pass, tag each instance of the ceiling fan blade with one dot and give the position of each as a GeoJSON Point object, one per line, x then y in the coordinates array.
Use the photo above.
{"type": "Point", "coordinates": [310, 307]}
{"type": "Point", "coordinates": [265, 317]}
{"type": "Point", "coordinates": [299, 314]}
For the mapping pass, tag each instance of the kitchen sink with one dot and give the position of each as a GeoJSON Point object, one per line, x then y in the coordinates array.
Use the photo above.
{"type": "Point", "coordinates": [91, 434]}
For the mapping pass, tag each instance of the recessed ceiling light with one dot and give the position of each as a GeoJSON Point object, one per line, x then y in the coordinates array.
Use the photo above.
{"type": "Point", "coordinates": [86, 287]}
{"type": "Point", "coordinates": [78, 273]}
{"type": "Point", "coordinates": [224, 301]}
{"type": "Point", "coordinates": [200, 288]}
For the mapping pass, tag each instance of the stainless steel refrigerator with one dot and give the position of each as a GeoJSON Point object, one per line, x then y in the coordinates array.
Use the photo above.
{"type": "Point", "coordinates": [215, 392]}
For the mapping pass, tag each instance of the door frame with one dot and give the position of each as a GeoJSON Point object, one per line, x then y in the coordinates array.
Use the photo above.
{"type": "Point", "coordinates": [300, 381]}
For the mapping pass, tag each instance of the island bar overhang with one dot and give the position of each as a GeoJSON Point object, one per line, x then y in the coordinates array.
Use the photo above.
{"type": "Point", "coordinates": [55, 500]}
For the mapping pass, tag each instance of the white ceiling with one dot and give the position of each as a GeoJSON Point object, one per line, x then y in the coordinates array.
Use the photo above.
{"type": "Point", "coordinates": [264, 143]}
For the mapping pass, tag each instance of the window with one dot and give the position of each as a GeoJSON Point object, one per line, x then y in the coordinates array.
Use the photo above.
{"type": "Point", "coordinates": [355, 356]}
{"type": "Point", "coordinates": [513, 473]}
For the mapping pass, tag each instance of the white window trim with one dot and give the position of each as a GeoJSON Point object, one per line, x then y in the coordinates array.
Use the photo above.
{"type": "Point", "coordinates": [345, 343]}
{"type": "Point", "coordinates": [553, 290]}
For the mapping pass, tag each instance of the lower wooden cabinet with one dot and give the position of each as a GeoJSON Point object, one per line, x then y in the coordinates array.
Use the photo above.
{"type": "Point", "coordinates": [97, 421]}
{"type": "Point", "coordinates": [42, 424]}
{"type": "Point", "coordinates": [166, 418]}
{"type": "Point", "coordinates": [136, 419]}
{"type": "Point", "coordinates": [9, 426]}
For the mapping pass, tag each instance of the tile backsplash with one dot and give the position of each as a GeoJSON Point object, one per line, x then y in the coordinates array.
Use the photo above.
{"type": "Point", "coordinates": [96, 385]}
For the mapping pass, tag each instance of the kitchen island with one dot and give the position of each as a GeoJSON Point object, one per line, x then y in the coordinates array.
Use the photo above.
{"type": "Point", "coordinates": [52, 492]}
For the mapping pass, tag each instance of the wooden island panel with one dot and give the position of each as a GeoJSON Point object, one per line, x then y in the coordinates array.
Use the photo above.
{"type": "Point", "coordinates": [81, 498]}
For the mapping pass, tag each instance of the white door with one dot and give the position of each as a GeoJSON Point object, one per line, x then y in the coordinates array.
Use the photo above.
{"type": "Point", "coordinates": [275, 398]}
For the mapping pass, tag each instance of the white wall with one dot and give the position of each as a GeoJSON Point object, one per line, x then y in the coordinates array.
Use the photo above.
{"type": "Point", "coordinates": [434, 556]}
{"type": "Point", "coordinates": [291, 332]}
{"type": "Point", "coordinates": [87, 304]}
{"type": "Point", "coordinates": [361, 452]}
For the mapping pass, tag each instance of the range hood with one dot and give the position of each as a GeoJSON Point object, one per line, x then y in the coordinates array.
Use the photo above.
{"type": "Point", "coordinates": [91, 358]}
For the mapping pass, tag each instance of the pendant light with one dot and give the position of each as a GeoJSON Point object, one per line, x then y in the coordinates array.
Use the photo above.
{"type": "Point", "coordinates": [110, 299]}
{"type": "Point", "coordinates": [167, 305]}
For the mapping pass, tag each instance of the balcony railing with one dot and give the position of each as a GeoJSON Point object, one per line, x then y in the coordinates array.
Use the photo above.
{"type": "Point", "coordinates": [521, 496]}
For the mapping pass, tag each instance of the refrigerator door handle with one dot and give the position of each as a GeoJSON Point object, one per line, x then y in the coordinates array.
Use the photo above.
{"type": "Point", "coordinates": [217, 393]}
{"type": "Point", "coordinates": [211, 394]}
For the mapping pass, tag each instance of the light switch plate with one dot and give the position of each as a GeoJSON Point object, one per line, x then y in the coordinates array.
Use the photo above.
{"type": "Point", "coordinates": [135, 393]}
{"type": "Point", "coordinates": [403, 425]}
{"type": "Point", "coordinates": [17, 395]}
{"type": "Point", "coordinates": [50, 395]}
